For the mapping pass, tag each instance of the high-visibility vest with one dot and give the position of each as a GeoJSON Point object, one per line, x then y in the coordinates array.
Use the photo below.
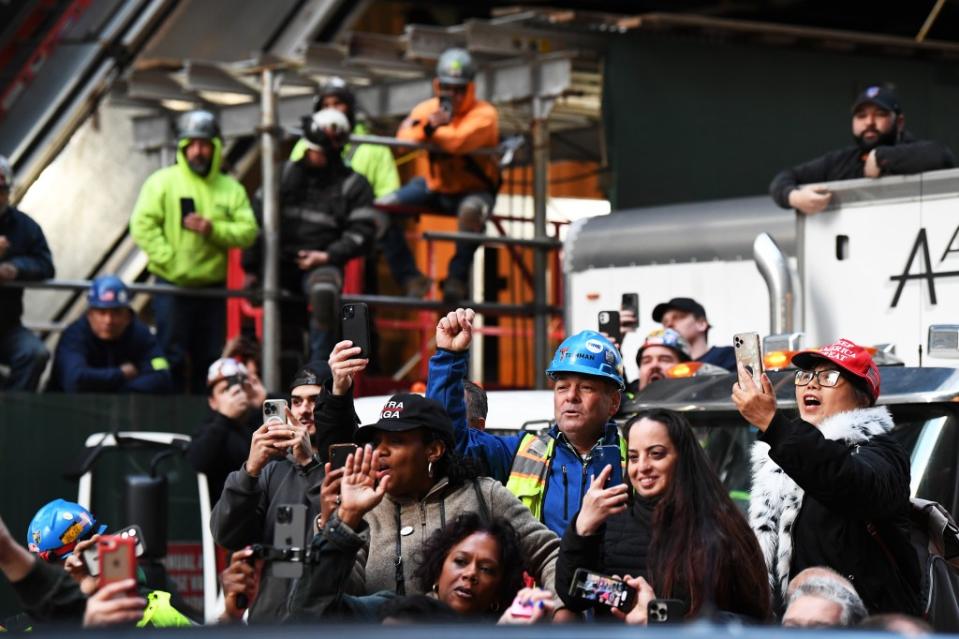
{"type": "Point", "coordinates": [530, 470]}
{"type": "Point", "coordinates": [160, 613]}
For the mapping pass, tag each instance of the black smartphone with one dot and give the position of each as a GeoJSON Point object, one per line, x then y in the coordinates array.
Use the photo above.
{"type": "Point", "coordinates": [446, 104]}
{"type": "Point", "coordinates": [595, 588]}
{"type": "Point", "coordinates": [609, 324]}
{"type": "Point", "coordinates": [187, 206]}
{"type": "Point", "coordinates": [339, 453]}
{"type": "Point", "coordinates": [289, 532]}
{"type": "Point", "coordinates": [355, 321]}
{"type": "Point", "coordinates": [630, 302]}
{"type": "Point", "coordinates": [665, 611]}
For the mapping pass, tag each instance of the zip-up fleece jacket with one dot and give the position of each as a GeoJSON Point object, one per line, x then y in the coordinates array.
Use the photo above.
{"type": "Point", "coordinates": [84, 363]}
{"type": "Point", "coordinates": [569, 473]}
{"type": "Point", "coordinates": [474, 126]}
{"type": "Point", "coordinates": [177, 254]}
{"type": "Point", "coordinates": [375, 565]}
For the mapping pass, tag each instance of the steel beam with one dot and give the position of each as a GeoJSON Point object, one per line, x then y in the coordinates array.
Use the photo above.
{"type": "Point", "coordinates": [271, 233]}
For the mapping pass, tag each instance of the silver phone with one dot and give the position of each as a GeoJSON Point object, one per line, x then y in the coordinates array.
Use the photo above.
{"type": "Point", "coordinates": [289, 534]}
{"type": "Point", "coordinates": [749, 354]}
{"type": "Point", "coordinates": [274, 411]}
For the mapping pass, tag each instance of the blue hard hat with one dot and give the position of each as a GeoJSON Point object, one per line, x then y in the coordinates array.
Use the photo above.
{"type": "Point", "coordinates": [108, 291]}
{"type": "Point", "coordinates": [57, 527]}
{"type": "Point", "coordinates": [588, 353]}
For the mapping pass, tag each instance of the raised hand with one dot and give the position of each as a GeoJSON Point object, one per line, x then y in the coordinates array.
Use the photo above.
{"type": "Point", "coordinates": [345, 366]}
{"type": "Point", "coordinates": [455, 331]}
{"type": "Point", "coordinates": [599, 504]}
{"type": "Point", "coordinates": [113, 604]}
{"type": "Point", "coordinates": [359, 491]}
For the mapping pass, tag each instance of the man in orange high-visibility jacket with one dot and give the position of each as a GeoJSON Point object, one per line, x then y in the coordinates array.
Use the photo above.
{"type": "Point", "coordinates": [455, 181]}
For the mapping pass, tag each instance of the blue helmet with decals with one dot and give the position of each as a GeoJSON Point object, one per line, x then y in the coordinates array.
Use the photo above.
{"type": "Point", "coordinates": [57, 527]}
{"type": "Point", "coordinates": [588, 353]}
{"type": "Point", "coordinates": [108, 291]}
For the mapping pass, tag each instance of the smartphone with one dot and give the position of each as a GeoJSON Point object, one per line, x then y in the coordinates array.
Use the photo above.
{"type": "Point", "coordinates": [355, 319]}
{"type": "Point", "coordinates": [289, 532]}
{"type": "Point", "coordinates": [749, 354]}
{"type": "Point", "coordinates": [91, 556]}
{"type": "Point", "coordinates": [610, 455]}
{"type": "Point", "coordinates": [274, 411]}
{"type": "Point", "coordinates": [339, 453]}
{"type": "Point", "coordinates": [446, 104]}
{"type": "Point", "coordinates": [609, 324]}
{"type": "Point", "coordinates": [187, 206]}
{"type": "Point", "coordinates": [665, 611]}
{"type": "Point", "coordinates": [116, 556]}
{"type": "Point", "coordinates": [595, 588]}
{"type": "Point", "coordinates": [630, 302]}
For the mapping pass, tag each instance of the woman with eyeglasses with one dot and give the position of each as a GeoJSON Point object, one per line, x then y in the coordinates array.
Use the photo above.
{"type": "Point", "coordinates": [831, 487]}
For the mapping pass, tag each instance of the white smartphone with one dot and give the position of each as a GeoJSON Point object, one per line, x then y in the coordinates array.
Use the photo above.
{"type": "Point", "coordinates": [749, 354]}
{"type": "Point", "coordinates": [274, 411]}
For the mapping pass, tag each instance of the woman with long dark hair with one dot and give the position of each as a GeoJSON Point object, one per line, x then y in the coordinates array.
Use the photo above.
{"type": "Point", "coordinates": [672, 528]}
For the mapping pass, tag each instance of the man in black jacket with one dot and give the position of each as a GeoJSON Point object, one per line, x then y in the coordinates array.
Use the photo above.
{"type": "Point", "coordinates": [247, 509]}
{"type": "Point", "coordinates": [883, 147]}
{"type": "Point", "coordinates": [24, 255]}
{"type": "Point", "coordinates": [326, 219]}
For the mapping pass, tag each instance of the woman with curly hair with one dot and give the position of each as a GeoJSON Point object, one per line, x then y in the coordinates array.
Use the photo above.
{"type": "Point", "coordinates": [672, 531]}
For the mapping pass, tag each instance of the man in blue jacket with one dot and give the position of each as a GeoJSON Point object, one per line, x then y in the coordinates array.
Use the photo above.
{"type": "Point", "coordinates": [549, 472]}
{"type": "Point", "coordinates": [109, 350]}
{"type": "Point", "coordinates": [24, 255]}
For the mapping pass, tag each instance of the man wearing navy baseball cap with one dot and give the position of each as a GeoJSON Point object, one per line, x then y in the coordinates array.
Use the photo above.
{"type": "Point", "coordinates": [109, 350]}
{"type": "Point", "coordinates": [687, 317]}
{"type": "Point", "coordinates": [882, 147]}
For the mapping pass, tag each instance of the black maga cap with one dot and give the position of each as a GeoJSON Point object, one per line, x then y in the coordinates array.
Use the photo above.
{"type": "Point", "coordinates": [406, 411]}
{"type": "Point", "coordinates": [687, 304]}
{"type": "Point", "coordinates": [883, 97]}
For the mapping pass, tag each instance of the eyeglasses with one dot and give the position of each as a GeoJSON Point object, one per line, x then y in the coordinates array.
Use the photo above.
{"type": "Point", "coordinates": [826, 378]}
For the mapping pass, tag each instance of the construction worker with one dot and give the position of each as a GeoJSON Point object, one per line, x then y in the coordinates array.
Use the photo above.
{"type": "Point", "coordinates": [185, 219]}
{"type": "Point", "coordinates": [455, 182]}
{"type": "Point", "coordinates": [549, 472]}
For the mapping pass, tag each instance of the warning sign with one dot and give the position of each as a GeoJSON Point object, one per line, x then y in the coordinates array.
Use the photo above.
{"type": "Point", "coordinates": [184, 565]}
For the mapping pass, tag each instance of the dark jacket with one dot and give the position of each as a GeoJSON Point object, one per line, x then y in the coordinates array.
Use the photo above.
{"type": "Point", "coordinates": [220, 446]}
{"type": "Point", "coordinates": [329, 209]}
{"type": "Point", "coordinates": [246, 511]}
{"type": "Point", "coordinates": [29, 252]}
{"type": "Point", "coordinates": [722, 356]}
{"type": "Point", "coordinates": [568, 477]}
{"type": "Point", "coordinates": [320, 592]}
{"type": "Point", "coordinates": [840, 478]}
{"type": "Point", "coordinates": [907, 157]}
{"type": "Point", "coordinates": [619, 548]}
{"type": "Point", "coordinates": [86, 363]}
{"type": "Point", "coordinates": [48, 595]}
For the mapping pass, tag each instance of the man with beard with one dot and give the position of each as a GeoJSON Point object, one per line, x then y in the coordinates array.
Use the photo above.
{"type": "Point", "coordinates": [326, 219]}
{"type": "Point", "coordinates": [883, 147]}
{"type": "Point", "coordinates": [185, 219]}
{"type": "Point", "coordinates": [663, 349]}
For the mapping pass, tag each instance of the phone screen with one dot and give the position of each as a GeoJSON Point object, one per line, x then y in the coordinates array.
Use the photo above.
{"type": "Point", "coordinates": [594, 588]}
{"type": "Point", "coordinates": [187, 206]}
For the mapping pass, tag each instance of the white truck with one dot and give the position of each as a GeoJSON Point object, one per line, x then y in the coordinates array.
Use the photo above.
{"type": "Point", "coordinates": [880, 266]}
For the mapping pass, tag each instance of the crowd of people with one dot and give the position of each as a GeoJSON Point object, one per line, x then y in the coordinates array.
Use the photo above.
{"type": "Point", "coordinates": [431, 517]}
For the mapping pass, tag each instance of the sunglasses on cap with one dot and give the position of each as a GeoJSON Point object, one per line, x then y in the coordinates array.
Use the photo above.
{"type": "Point", "coordinates": [826, 378]}
{"type": "Point", "coordinates": [453, 88]}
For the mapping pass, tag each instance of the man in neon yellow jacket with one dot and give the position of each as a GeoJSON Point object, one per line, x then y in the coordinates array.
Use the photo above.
{"type": "Point", "coordinates": [185, 219]}
{"type": "Point", "coordinates": [373, 161]}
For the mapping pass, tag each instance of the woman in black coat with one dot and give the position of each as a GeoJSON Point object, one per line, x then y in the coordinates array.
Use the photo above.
{"type": "Point", "coordinates": [831, 488]}
{"type": "Point", "coordinates": [672, 529]}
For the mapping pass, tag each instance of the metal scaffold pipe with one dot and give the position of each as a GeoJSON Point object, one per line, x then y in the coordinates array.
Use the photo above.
{"type": "Point", "coordinates": [540, 135]}
{"type": "Point", "coordinates": [271, 233]}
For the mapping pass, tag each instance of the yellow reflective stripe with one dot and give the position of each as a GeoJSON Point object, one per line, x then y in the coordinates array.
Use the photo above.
{"type": "Point", "coordinates": [159, 364]}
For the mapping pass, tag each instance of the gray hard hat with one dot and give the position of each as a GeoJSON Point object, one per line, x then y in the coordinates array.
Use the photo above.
{"type": "Point", "coordinates": [455, 66]}
{"type": "Point", "coordinates": [6, 171]}
{"type": "Point", "coordinates": [198, 124]}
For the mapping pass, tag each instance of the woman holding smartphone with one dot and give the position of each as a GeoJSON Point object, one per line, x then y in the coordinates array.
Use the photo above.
{"type": "Point", "coordinates": [673, 530]}
{"type": "Point", "coordinates": [831, 487]}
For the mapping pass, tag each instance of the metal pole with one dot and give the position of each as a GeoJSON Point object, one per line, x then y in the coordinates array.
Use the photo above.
{"type": "Point", "coordinates": [540, 135]}
{"type": "Point", "coordinates": [271, 235]}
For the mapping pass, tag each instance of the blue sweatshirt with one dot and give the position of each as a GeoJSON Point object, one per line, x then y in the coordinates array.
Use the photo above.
{"type": "Point", "coordinates": [85, 363]}
{"type": "Point", "coordinates": [569, 473]}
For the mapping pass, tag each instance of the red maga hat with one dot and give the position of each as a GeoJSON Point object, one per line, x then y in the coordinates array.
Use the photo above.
{"type": "Point", "coordinates": [852, 358]}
